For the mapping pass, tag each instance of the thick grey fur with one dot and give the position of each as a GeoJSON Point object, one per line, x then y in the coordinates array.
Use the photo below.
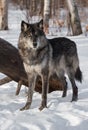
{"type": "Point", "coordinates": [44, 57]}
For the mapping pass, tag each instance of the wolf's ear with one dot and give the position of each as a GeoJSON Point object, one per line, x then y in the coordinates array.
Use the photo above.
{"type": "Point", "coordinates": [40, 24]}
{"type": "Point", "coordinates": [24, 26]}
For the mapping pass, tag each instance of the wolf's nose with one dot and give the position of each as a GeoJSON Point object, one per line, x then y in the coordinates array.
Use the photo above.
{"type": "Point", "coordinates": [34, 44]}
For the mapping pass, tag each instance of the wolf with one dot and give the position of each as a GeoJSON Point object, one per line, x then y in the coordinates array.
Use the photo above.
{"type": "Point", "coordinates": [45, 57]}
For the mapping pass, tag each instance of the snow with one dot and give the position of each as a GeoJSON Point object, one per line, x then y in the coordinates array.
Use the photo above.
{"type": "Point", "coordinates": [61, 114]}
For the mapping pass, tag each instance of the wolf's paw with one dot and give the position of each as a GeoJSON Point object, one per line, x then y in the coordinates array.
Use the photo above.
{"type": "Point", "coordinates": [64, 95]}
{"type": "Point", "coordinates": [75, 98]}
{"type": "Point", "coordinates": [42, 107]}
{"type": "Point", "coordinates": [26, 107]}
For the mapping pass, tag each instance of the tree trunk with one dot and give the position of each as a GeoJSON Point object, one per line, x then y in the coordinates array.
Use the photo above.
{"type": "Point", "coordinates": [75, 20]}
{"type": "Point", "coordinates": [12, 66]}
{"type": "Point", "coordinates": [53, 8]}
{"type": "Point", "coordinates": [11, 63]}
{"type": "Point", "coordinates": [3, 14]}
{"type": "Point", "coordinates": [68, 24]}
{"type": "Point", "coordinates": [41, 8]}
{"type": "Point", "coordinates": [34, 7]}
{"type": "Point", "coordinates": [46, 14]}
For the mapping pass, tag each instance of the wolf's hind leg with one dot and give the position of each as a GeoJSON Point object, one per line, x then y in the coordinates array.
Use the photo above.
{"type": "Point", "coordinates": [31, 80]}
{"type": "Point", "coordinates": [62, 78]}
{"type": "Point", "coordinates": [64, 82]}
{"type": "Point", "coordinates": [74, 87]}
{"type": "Point", "coordinates": [75, 90]}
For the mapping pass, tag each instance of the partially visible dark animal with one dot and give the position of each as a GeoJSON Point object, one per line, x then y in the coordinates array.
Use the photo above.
{"type": "Point", "coordinates": [42, 56]}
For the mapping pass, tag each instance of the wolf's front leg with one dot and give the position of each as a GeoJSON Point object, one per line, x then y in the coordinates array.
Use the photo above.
{"type": "Point", "coordinates": [31, 81]}
{"type": "Point", "coordinates": [45, 82]}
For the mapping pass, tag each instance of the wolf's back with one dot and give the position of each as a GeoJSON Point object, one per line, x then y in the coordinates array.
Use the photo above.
{"type": "Point", "coordinates": [63, 46]}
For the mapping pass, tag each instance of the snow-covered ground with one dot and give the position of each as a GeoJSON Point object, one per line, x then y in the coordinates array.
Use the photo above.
{"type": "Point", "coordinates": [61, 114]}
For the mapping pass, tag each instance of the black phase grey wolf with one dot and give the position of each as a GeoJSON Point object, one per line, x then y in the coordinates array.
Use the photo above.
{"type": "Point", "coordinates": [42, 56]}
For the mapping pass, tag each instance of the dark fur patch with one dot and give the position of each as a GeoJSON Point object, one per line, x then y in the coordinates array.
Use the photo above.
{"type": "Point", "coordinates": [62, 46]}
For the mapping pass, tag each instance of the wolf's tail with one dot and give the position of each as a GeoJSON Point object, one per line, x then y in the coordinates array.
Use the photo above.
{"type": "Point", "coordinates": [78, 75]}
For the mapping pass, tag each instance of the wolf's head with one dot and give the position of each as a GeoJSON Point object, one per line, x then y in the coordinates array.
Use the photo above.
{"type": "Point", "coordinates": [32, 35]}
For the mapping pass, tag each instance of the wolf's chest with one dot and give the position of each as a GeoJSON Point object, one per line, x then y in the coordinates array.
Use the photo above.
{"type": "Point", "coordinates": [32, 68]}
{"type": "Point", "coordinates": [37, 68]}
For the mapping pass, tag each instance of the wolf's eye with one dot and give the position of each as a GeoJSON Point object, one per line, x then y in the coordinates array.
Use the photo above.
{"type": "Point", "coordinates": [27, 35]}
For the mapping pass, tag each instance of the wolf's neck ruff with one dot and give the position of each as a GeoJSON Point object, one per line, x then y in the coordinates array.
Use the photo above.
{"type": "Point", "coordinates": [36, 56]}
{"type": "Point", "coordinates": [41, 49]}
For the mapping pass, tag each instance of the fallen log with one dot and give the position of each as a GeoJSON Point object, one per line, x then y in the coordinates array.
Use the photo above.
{"type": "Point", "coordinates": [11, 65]}
{"type": "Point", "coordinates": [5, 80]}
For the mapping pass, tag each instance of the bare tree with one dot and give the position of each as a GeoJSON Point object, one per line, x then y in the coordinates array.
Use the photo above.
{"type": "Point", "coordinates": [46, 14]}
{"type": "Point", "coordinates": [41, 7]}
{"type": "Point", "coordinates": [68, 24]}
{"type": "Point", "coordinates": [3, 14]}
{"type": "Point", "coordinates": [34, 6]}
{"type": "Point", "coordinates": [74, 17]}
{"type": "Point", "coordinates": [52, 8]}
